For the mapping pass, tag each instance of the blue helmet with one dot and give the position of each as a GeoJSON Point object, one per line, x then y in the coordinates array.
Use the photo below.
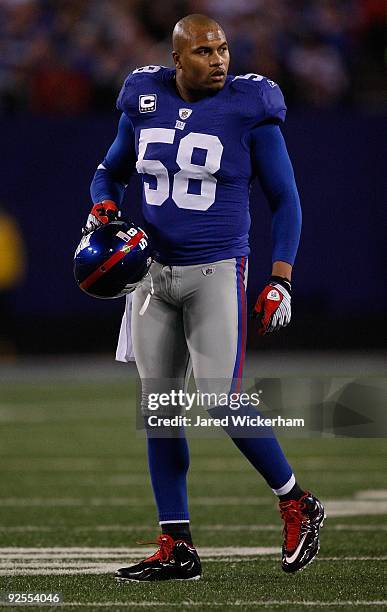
{"type": "Point", "coordinates": [112, 260]}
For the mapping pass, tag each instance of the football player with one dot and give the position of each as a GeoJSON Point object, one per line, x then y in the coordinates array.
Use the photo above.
{"type": "Point", "coordinates": [198, 137]}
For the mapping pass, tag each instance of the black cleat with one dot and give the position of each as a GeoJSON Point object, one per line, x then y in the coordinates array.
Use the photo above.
{"type": "Point", "coordinates": [303, 519]}
{"type": "Point", "coordinates": [174, 560]}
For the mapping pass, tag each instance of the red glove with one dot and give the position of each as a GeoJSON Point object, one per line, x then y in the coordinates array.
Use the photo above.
{"type": "Point", "coordinates": [101, 213]}
{"type": "Point", "coordinates": [273, 307]}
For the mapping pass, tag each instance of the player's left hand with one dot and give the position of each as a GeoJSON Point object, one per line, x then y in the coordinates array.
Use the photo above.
{"type": "Point", "coordinates": [273, 306]}
{"type": "Point", "coordinates": [101, 213]}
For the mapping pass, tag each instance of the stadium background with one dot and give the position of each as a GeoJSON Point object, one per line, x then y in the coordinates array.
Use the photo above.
{"type": "Point", "coordinates": [61, 66]}
{"type": "Point", "coordinates": [74, 475]}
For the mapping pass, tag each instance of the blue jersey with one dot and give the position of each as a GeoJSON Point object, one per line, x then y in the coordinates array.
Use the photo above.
{"type": "Point", "coordinates": [196, 161]}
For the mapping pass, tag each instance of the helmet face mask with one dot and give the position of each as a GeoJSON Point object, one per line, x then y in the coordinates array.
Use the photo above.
{"type": "Point", "coordinates": [113, 260]}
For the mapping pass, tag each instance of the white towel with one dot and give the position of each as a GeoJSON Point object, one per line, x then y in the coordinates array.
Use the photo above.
{"type": "Point", "coordinates": [124, 350]}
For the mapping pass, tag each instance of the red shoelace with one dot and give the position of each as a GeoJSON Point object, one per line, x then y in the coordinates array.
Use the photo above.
{"type": "Point", "coordinates": [293, 517]}
{"type": "Point", "coordinates": [166, 544]}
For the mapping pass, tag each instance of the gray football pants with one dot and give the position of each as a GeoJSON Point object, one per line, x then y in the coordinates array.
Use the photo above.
{"type": "Point", "coordinates": [197, 314]}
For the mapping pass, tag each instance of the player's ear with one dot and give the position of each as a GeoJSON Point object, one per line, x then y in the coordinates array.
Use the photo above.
{"type": "Point", "coordinates": [176, 59]}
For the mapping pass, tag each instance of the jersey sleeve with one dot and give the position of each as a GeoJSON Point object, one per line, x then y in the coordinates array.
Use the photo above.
{"type": "Point", "coordinates": [113, 174]}
{"type": "Point", "coordinates": [274, 169]}
{"type": "Point", "coordinates": [273, 101]}
{"type": "Point", "coordinates": [261, 99]}
{"type": "Point", "coordinates": [138, 81]}
{"type": "Point", "coordinates": [126, 94]}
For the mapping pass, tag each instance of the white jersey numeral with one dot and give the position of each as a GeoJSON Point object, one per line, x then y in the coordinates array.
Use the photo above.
{"type": "Point", "coordinates": [147, 69]}
{"type": "Point", "coordinates": [153, 166]}
{"type": "Point", "coordinates": [203, 173]}
{"type": "Point", "coordinates": [250, 75]}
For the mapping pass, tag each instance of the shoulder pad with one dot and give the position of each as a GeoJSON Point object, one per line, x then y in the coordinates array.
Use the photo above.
{"type": "Point", "coordinates": [271, 100]}
{"type": "Point", "coordinates": [135, 80]}
{"type": "Point", "coordinates": [148, 70]}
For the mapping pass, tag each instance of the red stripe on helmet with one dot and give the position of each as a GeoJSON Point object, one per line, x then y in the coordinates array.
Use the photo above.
{"type": "Point", "coordinates": [112, 261]}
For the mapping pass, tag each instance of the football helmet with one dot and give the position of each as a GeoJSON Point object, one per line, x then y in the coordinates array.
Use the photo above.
{"type": "Point", "coordinates": [112, 260]}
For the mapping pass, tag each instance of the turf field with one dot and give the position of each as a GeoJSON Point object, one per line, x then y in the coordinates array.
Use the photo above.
{"type": "Point", "coordinates": [76, 500]}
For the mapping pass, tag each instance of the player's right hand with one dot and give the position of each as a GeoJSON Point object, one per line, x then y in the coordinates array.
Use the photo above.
{"type": "Point", "coordinates": [101, 213]}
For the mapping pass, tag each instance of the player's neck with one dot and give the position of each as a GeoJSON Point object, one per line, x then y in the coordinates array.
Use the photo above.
{"type": "Point", "coordinates": [187, 94]}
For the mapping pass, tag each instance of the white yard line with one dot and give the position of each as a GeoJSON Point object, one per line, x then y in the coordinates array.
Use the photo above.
{"type": "Point", "coordinates": [101, 569]}
{"type": "Point", "coordinates": [93, 551]}
{"type": "Point", "coordinates": [277, 527]}
{"type": "Point", "coordinates": [87, 560]}
{"type": "Point", "coordinates": [27, 528]}
{"type": "Point", "coordinates": [378, 494]}
{"type": "Point", "coordinates": [355, 507]}
{"type": "Point", "coordinates": [334, 508]}
{"type": "Point", "coordinates": [109, 564]}
{"type": "Point", "coordinates": [219, 527]}
{"type": "Point", "coordinates": [128, 501]}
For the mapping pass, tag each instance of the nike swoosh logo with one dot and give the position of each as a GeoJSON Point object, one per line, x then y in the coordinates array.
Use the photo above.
{"type": "Point", "coordinates": [186, 563]}
{"type": "Point", "coordinates": [294, 556]}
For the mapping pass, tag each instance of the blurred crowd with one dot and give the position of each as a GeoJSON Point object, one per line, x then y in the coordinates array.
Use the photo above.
{"type": "Point", "coordinates": [70, 56]}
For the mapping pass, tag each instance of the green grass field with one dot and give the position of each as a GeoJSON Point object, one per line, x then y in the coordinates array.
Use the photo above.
{"type": "Point", "coordinates": [76, 500]}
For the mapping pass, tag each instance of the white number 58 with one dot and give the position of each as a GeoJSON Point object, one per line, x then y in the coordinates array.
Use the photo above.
{"type": "Point", "coordinates": [188, 170]}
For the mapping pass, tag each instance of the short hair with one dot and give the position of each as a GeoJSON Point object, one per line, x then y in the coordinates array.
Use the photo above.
{"type": "Point", "coordinates": [183, 27]}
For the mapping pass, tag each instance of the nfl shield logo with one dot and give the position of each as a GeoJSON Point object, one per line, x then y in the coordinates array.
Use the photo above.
{"type": "Point", "coordinates": [184, 113]}
{"type": "Point", "coordinates": [209, 270]}
{"type": "Point", "coordinates": [273, 295]}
